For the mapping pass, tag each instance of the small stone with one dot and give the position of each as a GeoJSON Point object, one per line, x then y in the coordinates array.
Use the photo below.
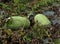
{"type": "Point", "coordinates": [49, 13]}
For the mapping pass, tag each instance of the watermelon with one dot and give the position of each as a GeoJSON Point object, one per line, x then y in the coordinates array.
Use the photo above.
{"type": "Point", "coordinates": [42, 20]}
{"type": "Point", "coordinates": [16, 22]}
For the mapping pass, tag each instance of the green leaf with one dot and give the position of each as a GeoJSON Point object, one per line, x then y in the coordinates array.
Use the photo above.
{"type": "Point", "coordinates": [27, 38]}
{"type": "Point", "coordinates": [56, 41]}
